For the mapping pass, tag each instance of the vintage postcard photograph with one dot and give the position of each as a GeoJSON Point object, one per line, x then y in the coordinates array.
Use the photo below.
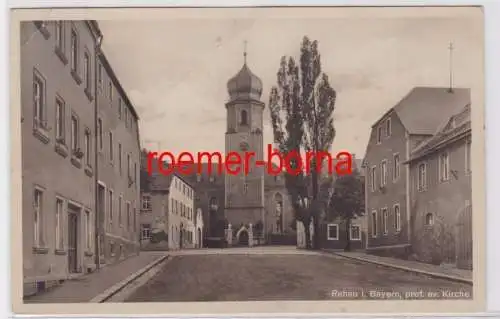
{"type": "Point", "coordinates": [313, 160]}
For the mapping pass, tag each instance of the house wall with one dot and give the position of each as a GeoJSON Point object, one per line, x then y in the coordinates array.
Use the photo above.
{"type": "Point", "coordinates": [44, 159]}
{"type": "Point", "coordinates": [181, 231]}
{"type": "Point", "coordinates": [445, 200]}
{"type": "Point", "coordinates": [332, 241]}
{"type": "Point", "coordinates": [154, 218]}
{"type": "Point", "coordinates": [119, 229]}
{"type": "Point", "coordinates": [393, 193]}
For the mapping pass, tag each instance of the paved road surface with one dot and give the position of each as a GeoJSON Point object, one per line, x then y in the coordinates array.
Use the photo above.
{"type": "Point", "coordinates": [285, 274]}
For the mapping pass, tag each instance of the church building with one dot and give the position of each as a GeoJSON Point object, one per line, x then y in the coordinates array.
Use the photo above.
{"type": "Point", "coordinates": [251, 196]}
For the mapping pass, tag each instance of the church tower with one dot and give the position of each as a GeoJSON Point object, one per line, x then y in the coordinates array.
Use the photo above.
{"type": "Point", "coordinates": [244, 192]}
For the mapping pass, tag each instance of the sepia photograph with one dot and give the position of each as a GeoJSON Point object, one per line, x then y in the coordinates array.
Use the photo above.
{"type": "Point", "coordinates": [299, 160]}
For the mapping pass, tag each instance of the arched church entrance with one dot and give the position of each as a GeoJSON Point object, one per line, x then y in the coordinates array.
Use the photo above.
{"type": "Point", "coordinates": [242, 237]}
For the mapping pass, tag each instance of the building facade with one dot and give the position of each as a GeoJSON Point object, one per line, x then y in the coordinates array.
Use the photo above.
{"type": "Point", "coordinates": [118, 159]}
{"type": "Point", "coordinates": [441, 194]}
{"type": "Point", "coordinates": [57, 102]}
{"type": "Point", "coordinates": [393, 138]}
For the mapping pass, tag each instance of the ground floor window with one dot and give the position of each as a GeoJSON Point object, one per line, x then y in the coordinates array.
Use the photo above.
{"type": "Point", "coordinates": [355, 232]}
{"type": "Point", "coordinates": [333, 232]}
{"type": "Point", "coordinates": [145, 231]}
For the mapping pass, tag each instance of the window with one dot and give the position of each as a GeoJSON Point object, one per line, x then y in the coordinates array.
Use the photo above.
{"type": "Point", "coordinates": [396, 169]}
{"type": "Point", "coordinates": [111, 151]}
{"type": "Point", "coordinates": [468, 157]}
{"type": "Point", "coordinates": [385, 217]}
{"type": "Point", "coordinates": [135, 170]}
{"type": "Point", "coordinates": [88, 148]}
{"type": "Point", "coordinates": [374, 178]}
{"type": "Point", "coordinates": [172, 205]}
{"type": "Point", "coordinates": [38, 234]}
{"type": "Point", "coordinates": [383, 173]}
{"type": "Point", "coordinates": [110, 90]}
{"type": "Point", "coordinates": [212, 179]}
{"type": "Point", "coordinates": [87, 72]}
{"type": "Point", "coordinates": [120, 200]}
{"type": "Point", "coordinates": [146, 202]}
{"type": "Point", "coordinates": [422, 177]}
{"type": "Point", "coordinates": [397, 218]}
{"type": "Point", "coordinates": [388, 128]}
{"type": "Point", "coordinates": [128, 214]}
{"type": "Point", "coordinates": [59, 35]}
{"type": "Point", "coordinates": [145, 231]}
{"type": "Point", "coordinates": [444, 167]}
{"type": "Point", "coordinates": [110, 204]}
{"type": "Point", "coordinates": [99, 130]}
{"type": "Point", "coordinates": [355, 232]}
{"type": "Point", "coordinates": [244, 118]}
{"type": "Point", "coordinates": [99, 75]}
{"type": "Point", "coordinates": [135, 217]}
{"type": "Point", "coordinates": [60, 120]}
{"type": "Point", "coordinates": [120, 106]}
{"type": "Point", "coordinates": [59, 224]}
{"type": "Point", "coordinates": [245, 188]}
{"type": "Point", "coordinates": [198, 178]}
{"type": "Point", "coordinates": [379, 135]}
{"type": "Point", "coordinates": [74, 133]}
{"type": "Point", "coordinates": [333, 232]}
{"type": "Point", "coordinates": [374, 223]}
{"type": "Point", "coordinates": [74, 51]}
{"type": "Point", "coordinates": [88, 233]}
{"type": "Point", "coordinates": [126, 117]}
{"type": "Point", "coordinates": [120, 158]}
{"type": "Point", "coordinates": [39, 101]}
{"type": "Point", "coordinates": [429, 219]}
{"type": "Point", "coordinates": [128, 165]}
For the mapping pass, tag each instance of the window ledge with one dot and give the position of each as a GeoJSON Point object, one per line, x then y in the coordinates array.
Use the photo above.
{"type": "Point", "coordinates": [60, 54]}
{"type": "Point", "coordinates": [88, 94]}
{"type": "Point", "coordinates": [89, 254]}
{"type": "Point", "coordinates": [76, 77]}
{"type": "Point", "coordinates": [61, 148]}
{"type": "Point", "coordinates": [89, 171]}
{"type": "Point", "coordinates": [76, 162]}
{"type": "Point", "coordinates": [40, 250]}
{"type": "Point", "coordinates": [41, 134]}
{"type": "Point", "coordinates": [60, 252]}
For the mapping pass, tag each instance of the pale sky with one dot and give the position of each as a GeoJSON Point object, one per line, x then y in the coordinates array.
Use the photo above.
{"type": "Point", "coordinates": [175, 71]}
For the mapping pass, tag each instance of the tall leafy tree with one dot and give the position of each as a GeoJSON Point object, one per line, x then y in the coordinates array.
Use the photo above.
{"type": "Point", "coordinates": [301, 105]}
{"type": "Point", "coordinates": [347, 200]}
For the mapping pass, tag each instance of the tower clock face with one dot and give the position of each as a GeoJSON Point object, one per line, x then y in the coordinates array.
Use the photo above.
{"type": "Point", "coordinates": [244, 146]}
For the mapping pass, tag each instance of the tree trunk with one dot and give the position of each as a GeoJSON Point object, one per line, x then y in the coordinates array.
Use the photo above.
{"type": "Point", "coordinates": [307, 234]}
{"type": "Point", "coordinates": [314, 212]}
{"type": "Point", "coordinates": [348, 235]}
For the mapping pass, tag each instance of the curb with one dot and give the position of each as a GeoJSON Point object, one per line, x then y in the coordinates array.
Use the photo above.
{"type": "Point", "coordinates": [108, 293]}
{"type": "Point", "coordinates": [412, 270]}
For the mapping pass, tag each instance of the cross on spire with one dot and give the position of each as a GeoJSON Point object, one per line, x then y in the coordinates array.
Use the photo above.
{"type": "Point", "coordinates": [450, 48]}
{"type": "Point", "coordinates": [245, 51]}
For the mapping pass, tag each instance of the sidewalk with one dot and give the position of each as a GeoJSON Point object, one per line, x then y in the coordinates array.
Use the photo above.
{"type": "Point", "coordinates": [460, 275]}
{"type": "Point", "coordinates": [86, 287]}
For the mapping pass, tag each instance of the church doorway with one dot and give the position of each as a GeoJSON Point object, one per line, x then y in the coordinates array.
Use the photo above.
{"type": "Point", "coordinates": [243, 238]}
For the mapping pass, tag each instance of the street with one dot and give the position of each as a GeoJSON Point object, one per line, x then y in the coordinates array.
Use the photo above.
{"type": "Point", "coordinates": [282, 274]}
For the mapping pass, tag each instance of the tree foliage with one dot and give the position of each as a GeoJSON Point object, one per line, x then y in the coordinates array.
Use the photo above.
{"type": "Point", "coordinates": [301, 106]}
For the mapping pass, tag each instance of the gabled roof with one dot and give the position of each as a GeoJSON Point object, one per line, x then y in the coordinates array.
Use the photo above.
{"type": "Point", "coordinates": [456, 126]}
{"type": "Point", "coordinates": [423, 109]}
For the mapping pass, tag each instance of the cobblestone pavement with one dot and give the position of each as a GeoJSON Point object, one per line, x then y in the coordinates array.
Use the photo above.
{"type": "Point", "coordinates": [281, 274]}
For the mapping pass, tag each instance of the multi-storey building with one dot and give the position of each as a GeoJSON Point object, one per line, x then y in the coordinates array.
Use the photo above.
{"type": "Point", "coordinates": [441, 194]}
{"type": "Point", "coordinates": [118, 159]}
{"type": "Point", "coordinates": [168, 205]}
{"type": "Point", "coordinates": [394, 136]}
{"type": "Point", "coordinates": [58, 156]}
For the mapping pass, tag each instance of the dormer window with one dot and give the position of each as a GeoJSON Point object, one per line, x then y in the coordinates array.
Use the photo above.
{"type": "Point", "coordinates": [244, 118]}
